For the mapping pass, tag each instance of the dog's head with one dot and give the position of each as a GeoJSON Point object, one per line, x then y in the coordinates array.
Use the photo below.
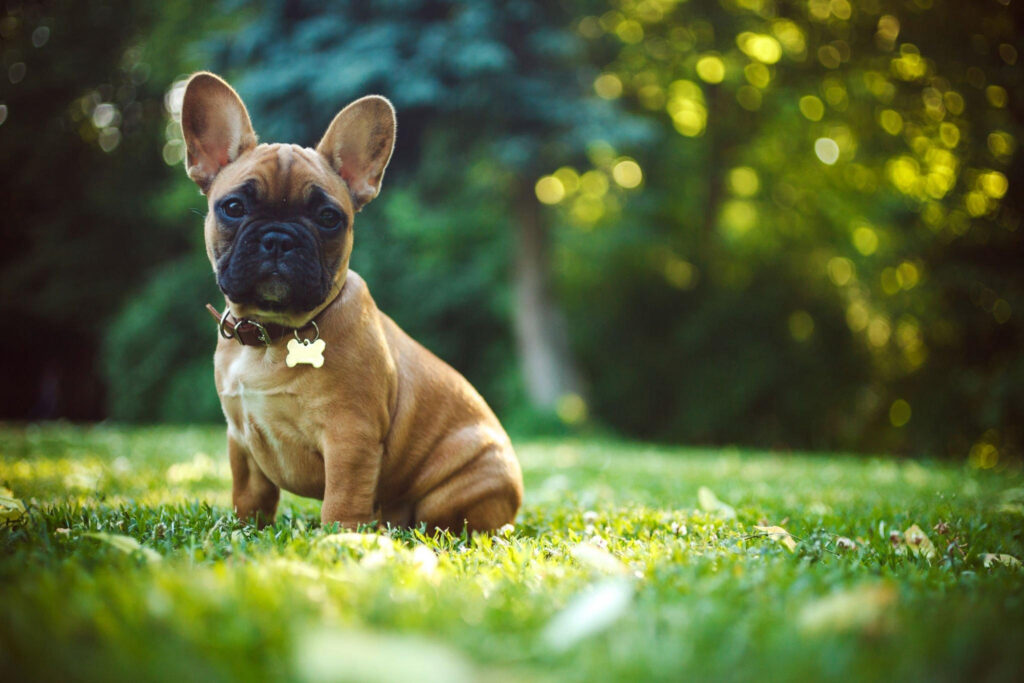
{"type": "Point", "coordinates": [279, 227]}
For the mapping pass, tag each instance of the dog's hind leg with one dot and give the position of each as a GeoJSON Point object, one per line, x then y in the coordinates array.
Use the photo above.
{"type": "Point", "coordinates": [483, 496]}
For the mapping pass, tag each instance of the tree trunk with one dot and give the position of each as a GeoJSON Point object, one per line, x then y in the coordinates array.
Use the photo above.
{"type": "Point", "coordinates": [541, 336]}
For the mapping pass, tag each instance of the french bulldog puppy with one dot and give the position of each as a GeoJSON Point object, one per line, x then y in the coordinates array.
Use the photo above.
{"type": "Point", "coordinates": [324, 395]}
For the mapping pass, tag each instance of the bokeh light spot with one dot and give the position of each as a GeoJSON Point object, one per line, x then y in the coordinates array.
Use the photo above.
{"type": "Point", "coordinates": [801, 325]}
{"type": "Point", "coordinates": [608, 86]}
{"type": "Point", "coordinates": [737, 217]}
{"type": "Point", "coordinates": [1001, 144]}
{"type": "Point", "coordinates": [1008, 53]}
{"type": "Point", "coordinates": [949, 134]}
{"type": "Point", "coordinates": [109, 139]}
{"type": "Point", "coordinates": [899, 413]}
{"type": "Point", "coordinates": [976, 203]}
{"type": "Point", "coordinates": [840, 270]}
{"type": "Point", "coordinates": [826, 150]}
{"type": "Point", "coordinates": [909, 275]}
{"type": "Point", "coordinates": [679, 273]}
{"type": "Point", "coordinates": [994, 184]}
{"type": "Point", "coordinates": [549, 190]}
{"type": "Point", "coordinates": [891, 121]}
{"type": "Point", "coordinates": [594, 184]}
{"type": "Point", "coordinates": [743, 181]}
{"type": "Point", "coordinates": [983, 456]}
{"type": "Point", "coordinates": [996, 96]}
{"type": "Point", "coordinates": [174, 152]}
{"type": "Point", "coordinates": [103, 115]}
{"type": "Point", "coordinates": [569, 178]}
{"type": "Point", "coordinates": [627, 173]}
{"type": "Point", "coordinates": [812, 108]}
{"type": "Point", "coordinates": [749, 98]}
{"type": "Point", "coordinates": [16, 72]}
{"type": "Point", "coordinates": [879, 332]}
{"type": "Point", "coordinates": [759, 46]}
{"type": "Point", "coordinates": [857, 316]}
{"type": "Point", "coordinates": [587, 210]}
{"type": "Point", "coordinates": [630, 31]}
{"type": "Point", "coordinates": [757, 75]}
{"type": "Point", "coordinates": [40, 36]}
{"type": "Point", "coordinates": [571, 409]}
{"type": "Point", "coordinates": [890, 280]}
{"type": "Point", "coordinates": [711, 69]}
{"type": "Point", "coordinates": [865, 240]}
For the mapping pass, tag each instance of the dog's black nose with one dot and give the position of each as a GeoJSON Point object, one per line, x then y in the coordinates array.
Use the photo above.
{"type": "Point", "coordinates": [276, 242]}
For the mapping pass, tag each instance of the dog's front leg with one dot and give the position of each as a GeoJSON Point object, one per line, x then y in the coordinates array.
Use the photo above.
{"type": "Point", "coordinates": [253, 495]}
{"type": "Point", "coordinates": [351, 469]}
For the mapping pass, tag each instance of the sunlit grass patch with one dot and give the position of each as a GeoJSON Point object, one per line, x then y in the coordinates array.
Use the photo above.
{"type": "Point", "coordinates": [627, 562]}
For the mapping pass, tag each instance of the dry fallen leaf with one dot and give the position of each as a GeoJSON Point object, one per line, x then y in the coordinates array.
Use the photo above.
{"type": "Point", "coordinates": [591, 611]}
{"type": "Point", "coordinates": [992, 559]}
{"type": "Point", "coordinates": [327, 654]}
{"type": "Point", "coordinates": [777, 533]}
{"type": "Point", "coordinates": [425, 559]}
{"type": "Point", "coordinates": [10, 507]}
{"type": "Point", "coordinates": [597, 558]}
{"type": "Point", "coordinates": [709, 502]}
{"type": "Point", "coordinates": [126, 544]}
{"type": "Point", "coordinates": [918, 542]}
{"type": "Point", "coordinates": [864, 608]}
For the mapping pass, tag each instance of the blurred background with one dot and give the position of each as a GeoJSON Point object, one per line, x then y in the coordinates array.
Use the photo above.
{"type": "Point", "coordinates": [783, 224]}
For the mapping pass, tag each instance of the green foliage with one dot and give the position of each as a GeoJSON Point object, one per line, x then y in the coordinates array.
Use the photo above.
{"type": "Point", "coordinates": [825, 249]}
{"type": "Point", "coordinates": [505, 76]}
{"type": "Point", "coordinates": [128, 564]}
{"type": "Point", "coordinates": [818, 245]}
{"type": "Point", "coordinates": [80, 137]}
{"type": "Point", "coordinates": [159, 352]}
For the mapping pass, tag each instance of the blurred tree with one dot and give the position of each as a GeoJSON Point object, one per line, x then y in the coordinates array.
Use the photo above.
{"type": "Point", "coordinates": [81, 124]}
{"type": "Point", "coordinates": [503, 81]}
{"type": "Point", "coordinates": [827, 230]}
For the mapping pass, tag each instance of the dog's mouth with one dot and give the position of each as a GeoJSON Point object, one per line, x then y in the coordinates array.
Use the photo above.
{"type": "Point", "coordinates": [273, 290]}
{"type": "Point", "coordinates": [271, 275]}
{"type": "Point", "coordinates": [275, 287]}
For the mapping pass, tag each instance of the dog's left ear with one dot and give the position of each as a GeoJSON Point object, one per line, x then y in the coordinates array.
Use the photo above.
{"type": "Point", "coordinates": [358, 145]}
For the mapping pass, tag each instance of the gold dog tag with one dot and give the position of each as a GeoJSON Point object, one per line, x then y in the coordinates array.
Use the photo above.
{"type": "Point", "coordinates": [305, 351]}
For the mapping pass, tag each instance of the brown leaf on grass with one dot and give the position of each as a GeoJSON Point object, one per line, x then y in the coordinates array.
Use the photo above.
{"type": "Point", "coordinates": [11, 508]}
{"type": "Point", "coordinates": [992, 559]}
{"type": "Point", "coordinates": [126, 544]}
{"type": "Point", "coordinates": [709, 502]}
{"type": "Point", "coordinates": [918, 542]}
{"type": "Point", "coordinates": [777, 533]}
{"type": "Point", "coordinates": [865, 608]}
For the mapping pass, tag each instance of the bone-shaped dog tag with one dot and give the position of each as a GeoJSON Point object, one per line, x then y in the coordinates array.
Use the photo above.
{"type": "Point", "coordinates": [305, 351]}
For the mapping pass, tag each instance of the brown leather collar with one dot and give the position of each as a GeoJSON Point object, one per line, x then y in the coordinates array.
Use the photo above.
{"type": "Point", "coordinates": [248, 332]}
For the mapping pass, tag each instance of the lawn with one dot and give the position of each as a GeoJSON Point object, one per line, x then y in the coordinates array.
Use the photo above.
{"type": "Point", "coordinates": [628, 562]}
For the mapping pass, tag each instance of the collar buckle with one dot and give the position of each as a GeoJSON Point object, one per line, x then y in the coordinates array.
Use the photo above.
{"type": "Point", "coordinates": [261, 332]}
{"type": "Point", "coordinates": [239, 327]}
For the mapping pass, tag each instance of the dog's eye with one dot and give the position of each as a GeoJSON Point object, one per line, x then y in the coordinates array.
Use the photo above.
{"type": "Point", "coordinates": [233, 208]}
{"type": "Point", "coordinates": [328, 218]}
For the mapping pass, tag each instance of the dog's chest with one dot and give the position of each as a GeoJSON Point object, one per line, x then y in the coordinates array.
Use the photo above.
{"type": "Point", "coordinates": [270, 416]}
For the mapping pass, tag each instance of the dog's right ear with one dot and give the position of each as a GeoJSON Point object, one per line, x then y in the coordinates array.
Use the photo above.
{"type": "Point", "coordinates": [215, 125]}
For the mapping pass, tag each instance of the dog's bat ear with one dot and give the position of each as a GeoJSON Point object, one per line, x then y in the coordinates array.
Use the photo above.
{"type": "Point", "coordinates": [215, 125]}
{"type": "Point", "coordinates": [358, 145]}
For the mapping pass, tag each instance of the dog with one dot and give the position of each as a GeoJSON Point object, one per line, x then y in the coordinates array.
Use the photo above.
{"type": "Point", "coordinates": [324, 395]}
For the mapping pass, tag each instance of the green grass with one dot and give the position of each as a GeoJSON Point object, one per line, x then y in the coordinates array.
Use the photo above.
{"type": "Point", "coordinates": [613, 572]}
